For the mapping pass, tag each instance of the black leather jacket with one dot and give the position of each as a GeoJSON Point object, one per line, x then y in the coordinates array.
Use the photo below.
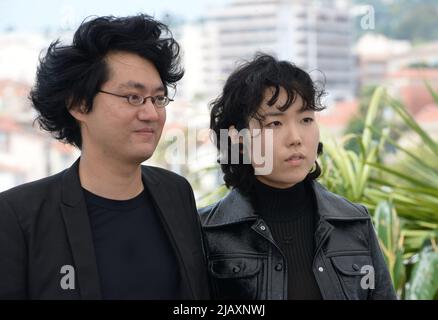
{"type": "Point", "coordinates": [244, 261]}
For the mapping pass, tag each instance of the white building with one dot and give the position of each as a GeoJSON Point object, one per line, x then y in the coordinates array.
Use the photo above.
{"type": "Point", "coordinates": [424, 54]}
{"type": "Point", "coordinates": [375, 54]}
{"type": "Point", "coordinates": [26, 153]}
{"type": "Point", "coordinates": [315, 35]}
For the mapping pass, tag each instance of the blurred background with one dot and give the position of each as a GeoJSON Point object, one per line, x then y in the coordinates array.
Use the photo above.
{"type": "Point", "coordinates": [378, 62]}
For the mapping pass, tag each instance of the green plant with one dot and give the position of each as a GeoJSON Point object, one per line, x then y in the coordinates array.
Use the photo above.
{"type": "Point", "coordinates": [402, 194]}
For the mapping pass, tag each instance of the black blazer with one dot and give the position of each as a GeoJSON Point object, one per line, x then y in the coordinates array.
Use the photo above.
{"type": "Point", "coordinates": [44, 226]}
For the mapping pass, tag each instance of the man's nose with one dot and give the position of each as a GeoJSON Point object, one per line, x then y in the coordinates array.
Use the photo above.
{"type": "Point", "coordinates": [148, 111]}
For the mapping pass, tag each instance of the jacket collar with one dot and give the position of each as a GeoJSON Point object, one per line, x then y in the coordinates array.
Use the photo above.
{"type": "Point", "coordinates": [330, 206]}
{"type": "Point", "coordinates": [72, 184]}
{"type": "Point", "coordinates": [75, 214]}
{"type": "Point", "coordinates": [174, 224]}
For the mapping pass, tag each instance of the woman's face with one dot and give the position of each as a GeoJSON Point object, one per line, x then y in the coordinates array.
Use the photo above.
{"type": "Point", "coordinates": [288, 141]}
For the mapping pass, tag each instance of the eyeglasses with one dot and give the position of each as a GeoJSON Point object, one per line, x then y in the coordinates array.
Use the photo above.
{"type": "Point", "coordinates": [138, 100]}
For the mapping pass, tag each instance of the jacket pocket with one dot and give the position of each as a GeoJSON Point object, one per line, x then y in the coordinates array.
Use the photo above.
{"type": "Point", "coordinates": [235, 277]}
{"type": "Point", "coordinates": [356, 275]}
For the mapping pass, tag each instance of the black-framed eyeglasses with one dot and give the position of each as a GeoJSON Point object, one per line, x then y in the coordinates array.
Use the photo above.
{"type": "Point", "coordinates": [137, 100]}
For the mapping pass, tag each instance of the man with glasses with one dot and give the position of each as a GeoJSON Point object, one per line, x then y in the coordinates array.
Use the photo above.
{"type": "Point", "coordinates": [107, 227]}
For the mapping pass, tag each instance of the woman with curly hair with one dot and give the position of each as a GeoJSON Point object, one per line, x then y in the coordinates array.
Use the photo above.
{"type": "Point", "coordinates": [279, 234]}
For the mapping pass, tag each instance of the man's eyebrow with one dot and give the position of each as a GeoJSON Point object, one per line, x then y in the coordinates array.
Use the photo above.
{"type": "Point", "coordinates": [140, 86]}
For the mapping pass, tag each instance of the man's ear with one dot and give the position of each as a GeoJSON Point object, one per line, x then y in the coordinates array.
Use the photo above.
{"type": "Point", "coordinates": [78, 112]}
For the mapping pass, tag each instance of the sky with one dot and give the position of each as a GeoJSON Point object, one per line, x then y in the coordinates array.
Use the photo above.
{"type": "Point", "coordinates": [24, 15]}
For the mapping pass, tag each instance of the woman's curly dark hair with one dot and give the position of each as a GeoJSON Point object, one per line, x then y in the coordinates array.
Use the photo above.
{"type": "Point", "coordinates": [71, 75]}
{"type": "Point", "coordinates": [241, 97]}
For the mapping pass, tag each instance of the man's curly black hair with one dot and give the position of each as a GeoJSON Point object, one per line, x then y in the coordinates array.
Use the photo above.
{"type": "Point", "coordinates": [241, 98]}
{"type": "Point", "coordinates": [71, 75]}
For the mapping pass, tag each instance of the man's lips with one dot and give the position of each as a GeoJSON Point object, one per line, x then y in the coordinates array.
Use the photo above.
{"type": "Point", "coordinates": [145, 130]}
{"type": "Point", "coordinates": [146, 133]}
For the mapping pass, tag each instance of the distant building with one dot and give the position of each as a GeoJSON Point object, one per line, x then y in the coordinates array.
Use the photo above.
{"type": "Point", "coordinates": [424, 55]}
{"type": "Point", "coordinates": [315, 35]}
{"type": "Point", "coordinates": [335, 119]}
{"type": "Point", "coordinates": [404, 70]}
{"type": "Point", "coordinates": [14, 100]}
{"type": "Point", "coordinates": [428, 119]}
{"type": "Point", "coordinates": [409, 86]}
{"type": "Point", "coordinates": [26, 153]}
{"type": "Point", "coordinates": [19, 55]}
{"type": "Point", "coordinates": [375, 53]}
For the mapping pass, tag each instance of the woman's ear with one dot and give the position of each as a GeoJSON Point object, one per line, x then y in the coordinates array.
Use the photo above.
{"type": "Point", "coordinates": [320, 149]}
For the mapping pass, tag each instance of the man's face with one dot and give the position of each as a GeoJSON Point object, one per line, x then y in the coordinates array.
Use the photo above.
{"type": "Point", "coordinates": [294, 132]}
{"type": "Point", "coordinates": [116, 128]}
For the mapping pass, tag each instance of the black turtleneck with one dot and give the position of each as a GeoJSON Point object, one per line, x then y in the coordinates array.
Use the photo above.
{"type": "Point", "coordinates": [290, 215]}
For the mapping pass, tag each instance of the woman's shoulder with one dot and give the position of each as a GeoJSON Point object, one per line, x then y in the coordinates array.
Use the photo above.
{"type": "Point", "coordinates": [205, 211]}
{"type": "Point", "coordinates": [232, 208]}
{"type": "Point", "coordinates": [333, 205]}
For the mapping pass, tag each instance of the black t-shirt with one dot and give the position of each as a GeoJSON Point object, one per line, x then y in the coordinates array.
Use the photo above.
{"type": "Point", "coordinates": [134, 256]}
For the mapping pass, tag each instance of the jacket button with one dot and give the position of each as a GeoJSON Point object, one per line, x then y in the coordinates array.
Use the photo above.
{"type": "Point", "coordinates": [355, 267]}
{"type": "Point", "coordinates": [320, 269]}
{"type": "Point", "coordinates": [279, 267]}
{"type": "Point", "coordinates": [236, 269]}
{"type": "Point", "coordinates": [262, 227]}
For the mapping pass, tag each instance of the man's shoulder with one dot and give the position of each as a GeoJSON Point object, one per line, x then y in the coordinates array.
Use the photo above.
{"type": "Point", "coordinates": [27, 200]}
{"type": "Point", "coordinates": [163, 175]}
{"type": "Point", "coordinates": [29, 190]}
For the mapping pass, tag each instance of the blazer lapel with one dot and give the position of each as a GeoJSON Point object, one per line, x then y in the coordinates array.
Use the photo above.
{"type": "Point", "coordinates": [74, 211]}
{"type": "Point", "coordinates": [173, 222]}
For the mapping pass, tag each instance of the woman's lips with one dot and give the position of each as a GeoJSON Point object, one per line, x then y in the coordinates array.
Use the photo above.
{"type": "Point", "coordinates": [295, 161]}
